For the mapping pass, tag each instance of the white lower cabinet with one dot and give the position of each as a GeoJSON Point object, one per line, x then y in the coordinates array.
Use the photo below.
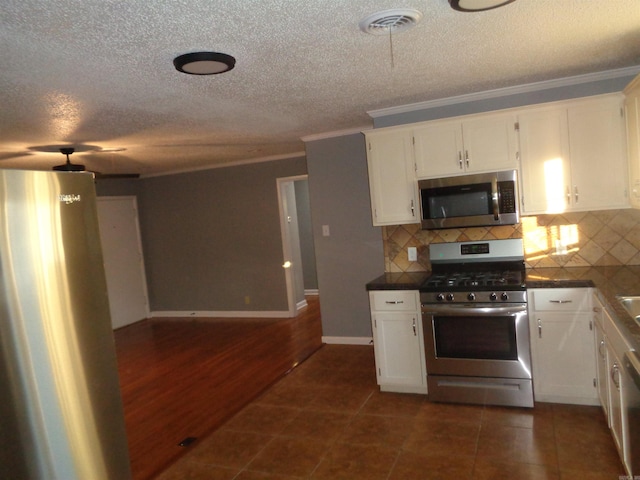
{"type": "Point", "coordinates": [612, 378]}
{"type": "Point", "coordinates": [562, 346]}
{"type": "Point", "coordinates": [398, 341]}
{"type": "Point", "coordinates": [602, 369]}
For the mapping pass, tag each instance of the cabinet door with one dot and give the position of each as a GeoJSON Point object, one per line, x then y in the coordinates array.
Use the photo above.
{"type": "Point", "coordinates": [438, 149]}
{"type": "Point", "coordinates": [598, 154]}
{"type": "Point", "coordinates": [602, 370]}
{"type": "Point", "coordinates": [564, 368]}
{"type": "Point", "coordinates": [489, 143]}
{"type": "Point", "coordinates": [632, 116]}
{"type": "Point", "coordinates": [392, 181]}
{"type": "Point", "coordinates": [615, 394]}
{"type": "Point", "coordinates": [397, 342]}
{"type": "Point", "coordinates": [544, 152]}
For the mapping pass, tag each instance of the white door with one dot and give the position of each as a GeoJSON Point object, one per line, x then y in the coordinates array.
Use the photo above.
{"type": "Point", "coordinates": [123, 261]}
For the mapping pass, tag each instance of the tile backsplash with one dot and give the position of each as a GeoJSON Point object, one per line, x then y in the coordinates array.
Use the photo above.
{"type": "Point", "coordinates": [607, 237]}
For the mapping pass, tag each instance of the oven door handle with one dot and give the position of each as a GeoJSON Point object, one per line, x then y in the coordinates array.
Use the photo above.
{"type": "Point", "coordinates": [474, 309]}
{"type": "Point", "coordinates": [495, 199]}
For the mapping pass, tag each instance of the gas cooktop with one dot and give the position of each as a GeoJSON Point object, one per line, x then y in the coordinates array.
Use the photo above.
{"type": "Point", "coordinates": [510, 279]}
{"type": "Point", "coordinates": [490, 271]}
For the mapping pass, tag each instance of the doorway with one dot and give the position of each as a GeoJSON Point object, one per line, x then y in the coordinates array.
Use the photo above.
{"type": "Point", "coordinates": [297, 241]}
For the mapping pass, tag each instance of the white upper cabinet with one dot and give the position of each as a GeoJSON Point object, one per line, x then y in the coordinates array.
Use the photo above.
{"type": "Point", "coordinates": [544, 149]}
{"type": "Point", "coordinates": [632, 115]}
{"type": "Point", "coordinates": [392, 179]}
{"type": "Point", "coordinates": [438, 148]}
{"type": "Point", "coordinates": [598, 154]}
{"type": "Point", "coordinates": [480, 143]}
{"type": "Point", "coordinates": [574, 156]}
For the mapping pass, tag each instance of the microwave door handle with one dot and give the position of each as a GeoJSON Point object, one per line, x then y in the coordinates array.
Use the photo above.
{"type": "Point", "coordinates": [494, 197]}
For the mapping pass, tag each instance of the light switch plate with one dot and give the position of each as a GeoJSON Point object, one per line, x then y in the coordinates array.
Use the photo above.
{"type": "Point", "coordinates": [412, 253]}
{"type": "Point", "coordinates": [325, 231]}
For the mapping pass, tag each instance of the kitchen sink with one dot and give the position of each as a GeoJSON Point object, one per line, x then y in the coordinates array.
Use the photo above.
{"type": "Point", "coordinates": [631, 305]}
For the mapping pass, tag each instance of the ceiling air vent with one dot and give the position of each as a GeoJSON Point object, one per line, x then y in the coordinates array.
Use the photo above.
{"type": "Point", "coordinates": [390, 21]}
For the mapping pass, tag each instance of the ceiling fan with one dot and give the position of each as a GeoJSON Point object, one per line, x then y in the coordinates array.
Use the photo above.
{"type": "Point", "coordinates": [75, 167]}
{"type": "Point", "coordinates": [68, 166]}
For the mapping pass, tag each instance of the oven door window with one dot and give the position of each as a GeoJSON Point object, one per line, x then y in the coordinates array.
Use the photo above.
{"type": "Point", "coordinates": [476, 337]}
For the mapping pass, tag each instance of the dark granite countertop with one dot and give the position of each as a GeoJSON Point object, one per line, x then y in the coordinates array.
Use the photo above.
{"type": "Point", "coordinates": [610, 281]}
{"type": "Point", "coordinates": [398, 281]}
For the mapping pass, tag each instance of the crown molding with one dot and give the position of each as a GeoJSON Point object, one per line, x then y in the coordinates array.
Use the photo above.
{"type": "Point", "coordinates": [503, 92]}
{"type": "Point", "coordinates": [270, 158]}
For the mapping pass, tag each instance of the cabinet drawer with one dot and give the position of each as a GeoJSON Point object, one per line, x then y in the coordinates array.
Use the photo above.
{"type": "Point", "coordinates": [394, 300]}
{"type": "Point", "coordinates": [561, 299]}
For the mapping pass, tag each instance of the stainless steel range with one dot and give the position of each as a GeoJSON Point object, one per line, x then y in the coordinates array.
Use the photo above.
{"type": "Point", "coordinates": [476, 327]}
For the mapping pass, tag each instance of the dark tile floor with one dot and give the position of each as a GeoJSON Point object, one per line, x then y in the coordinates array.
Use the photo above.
{"type": "Point", "coordinates": [327, 419]}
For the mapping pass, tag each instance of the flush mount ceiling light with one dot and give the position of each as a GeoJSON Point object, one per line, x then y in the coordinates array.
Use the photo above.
{"type": "Point", "coordinates": [204, 63]}
{"type": "Point", "coordinates": [477, 5]}
{"type": "Point", "coordinates": [389, 22]}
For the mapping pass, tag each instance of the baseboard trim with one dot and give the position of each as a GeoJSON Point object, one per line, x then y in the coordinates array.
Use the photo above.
{"type": "Point", "coordinates": [220, 314]}
{"type": "Point", "coordinates": [348, 340]}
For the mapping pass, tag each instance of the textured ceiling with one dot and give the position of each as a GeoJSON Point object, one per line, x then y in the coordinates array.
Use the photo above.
{"type": "Point", "coordinates": [98, 74]}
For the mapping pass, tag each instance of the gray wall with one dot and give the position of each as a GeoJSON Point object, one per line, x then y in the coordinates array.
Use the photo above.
{"type": "Point", "coordinates": [352, 255]}
{"type": "Point", "coordinates": [110, 187]}
{"type": "Point", "coordinates": [212, 238]}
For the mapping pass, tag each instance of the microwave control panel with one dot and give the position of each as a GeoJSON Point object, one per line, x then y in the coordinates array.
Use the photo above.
{"type": "Point", "coordinates": [507, 196]}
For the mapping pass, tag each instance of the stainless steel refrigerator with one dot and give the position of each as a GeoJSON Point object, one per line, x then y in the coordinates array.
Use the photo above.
{"type": "Point", "coordinates": [61, 415]}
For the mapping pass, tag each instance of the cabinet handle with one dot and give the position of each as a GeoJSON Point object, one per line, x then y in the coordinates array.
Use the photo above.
{"type": "Point", "coordinates": [575, 193]}
{"type": "Point", "coordinates": [615, 375]}
{"type": "Point", "coordinates": [415, 332]}
{"type": "Point", "coordinates": [460, 159]}
{"type": "Point", "coordinates": [539, 328]}
{"type": "Point", "coordinates": [466, 157]}
{"type": "Point", "coordinates": [413, 212]}
{"type": "Point", "coordinates": [560, 301]}
{"type": "Point", "coordinates": [568, 195]}
{"type": "Point", "coordinates": [601, 348]}
{"type": "Point", "coordinates": [394, 302]}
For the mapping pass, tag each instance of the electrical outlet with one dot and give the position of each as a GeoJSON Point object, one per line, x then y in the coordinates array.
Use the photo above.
{"type": "Point", "coordinates": [412, 253]}
{"type": "Point", "coordinates": [325, 231]}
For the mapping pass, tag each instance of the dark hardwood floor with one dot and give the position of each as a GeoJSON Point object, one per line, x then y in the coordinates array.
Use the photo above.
{"type": "Point", "coordinates": [183, 378]}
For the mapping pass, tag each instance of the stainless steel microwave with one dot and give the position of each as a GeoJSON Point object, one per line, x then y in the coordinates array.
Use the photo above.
{"type": "Point", "coordinates": [482, 199]}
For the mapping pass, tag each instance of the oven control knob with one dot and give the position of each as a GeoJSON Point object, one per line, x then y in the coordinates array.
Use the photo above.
{"type": "Point", "coordinates": [493, 297]}
{"type": "Point", "coordinates": [471, 297]}
{"type": "Point", "coordinates": [440, 297]}
{"type": "Point", "coordinates": [450, 297]}
{"type": "Point", "coordinates": [504, 296]}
